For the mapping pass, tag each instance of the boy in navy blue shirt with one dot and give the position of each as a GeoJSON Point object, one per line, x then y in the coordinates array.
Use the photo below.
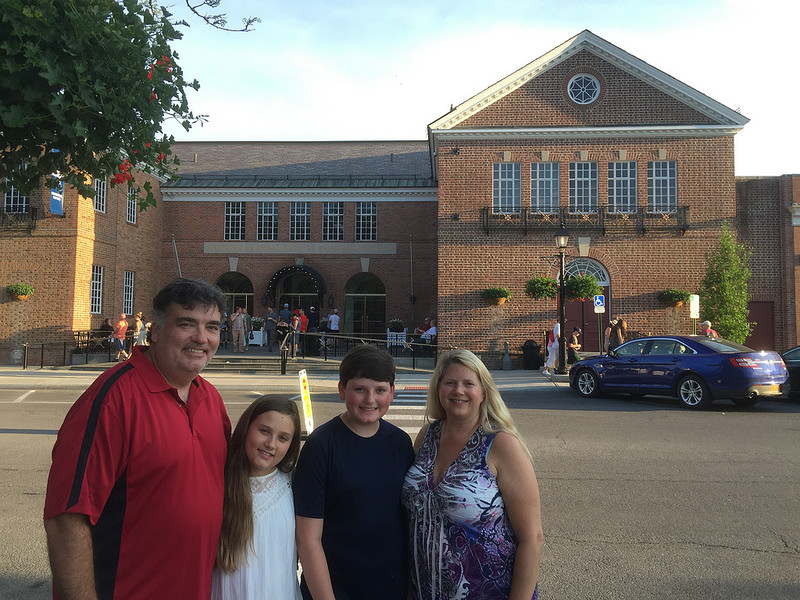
{"type": "Point", "coordinates": [351, 533]}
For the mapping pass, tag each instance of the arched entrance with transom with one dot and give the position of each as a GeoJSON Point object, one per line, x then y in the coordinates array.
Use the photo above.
{"type": "Point", "coordinates": [582, 314]}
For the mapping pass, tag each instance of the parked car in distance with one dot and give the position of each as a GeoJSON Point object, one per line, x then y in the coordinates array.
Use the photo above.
{"type": "Point", "coordinates": [792, 360]}
{"type": "Point", "coordinates": [695, 369]}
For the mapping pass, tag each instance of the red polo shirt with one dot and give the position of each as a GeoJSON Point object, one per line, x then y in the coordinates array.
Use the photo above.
{"type": "Point", "coordinates": [149, 473]}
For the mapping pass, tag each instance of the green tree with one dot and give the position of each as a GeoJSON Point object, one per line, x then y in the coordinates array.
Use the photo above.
{"type": "Point", "coordinates": [85, 87]}
{"type": "Point", "coordinates": [723, 291]}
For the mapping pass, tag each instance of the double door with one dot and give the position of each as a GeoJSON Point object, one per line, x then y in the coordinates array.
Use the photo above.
{"type": "Point", "coordinates": [366, 315]}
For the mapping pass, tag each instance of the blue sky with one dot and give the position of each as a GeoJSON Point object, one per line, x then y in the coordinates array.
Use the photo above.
{"type": "Point", "coordinates": [367, 70]}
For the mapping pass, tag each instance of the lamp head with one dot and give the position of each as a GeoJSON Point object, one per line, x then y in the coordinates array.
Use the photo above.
{"type": "Point", "coordinates": [562, 237]}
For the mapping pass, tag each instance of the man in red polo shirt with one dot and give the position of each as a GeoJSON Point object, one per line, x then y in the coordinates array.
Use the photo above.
{"type": "Point", "coordinates": [134, 497]}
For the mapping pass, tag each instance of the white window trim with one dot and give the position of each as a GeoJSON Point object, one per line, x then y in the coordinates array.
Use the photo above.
{"type": "Point", "coordinates": [506, 188]}
{"type": "Point", "coordinates": [96, 290]}
{"type": "Point", "coordinates": [366, 221]}
{"type": "Point", "coordinates": [546, 184]}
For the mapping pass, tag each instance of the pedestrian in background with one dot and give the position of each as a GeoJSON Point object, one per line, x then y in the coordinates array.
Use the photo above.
{"type": "Point", "coordinates": [248, 328]}
{"type": "Point", "coordinates": [270, 328]}
{"type": "Point", "coordinates": [573, 346]}
{"type": "Point", "coordinates": [237, 328]}
{"type": "Point", "coordinates": [120, 332]}
{"type": "Point", "coordinates": [618, 333]}
{"type": "Point", "coordinates": [551, 365]}
{"type": "Point", "coordinates": [607, 335]}
{"type": "Point", "coordinates": [705, 329]}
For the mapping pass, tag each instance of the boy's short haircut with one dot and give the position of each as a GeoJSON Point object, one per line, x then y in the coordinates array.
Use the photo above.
{"type": "Point", "coordinates": [367, 361]}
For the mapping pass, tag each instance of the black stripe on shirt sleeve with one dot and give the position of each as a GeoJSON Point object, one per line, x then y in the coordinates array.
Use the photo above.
{"type": "Point", "coordinates": [88, 435]}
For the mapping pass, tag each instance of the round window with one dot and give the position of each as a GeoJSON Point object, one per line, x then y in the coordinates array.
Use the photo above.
{"type": "Point", "coordinates": [583, 89]}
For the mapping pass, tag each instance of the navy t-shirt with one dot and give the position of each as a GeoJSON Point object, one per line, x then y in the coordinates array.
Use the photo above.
{"type": "Point", "coordinates": [354, 484]}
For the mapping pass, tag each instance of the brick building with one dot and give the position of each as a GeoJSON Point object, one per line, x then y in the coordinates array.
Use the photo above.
{"type": "Point", "coordinates": [87, 259]}
{"type": "Point", "coordinates": [345, 225]}
{"type": "Point", "coordinates": [637, 165]}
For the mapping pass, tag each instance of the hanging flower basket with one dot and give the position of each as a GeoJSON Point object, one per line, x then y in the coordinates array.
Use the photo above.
{"type": "Point", "coordinates": [541, 286]}
{"type": "Point", "coordinates": [581, 287]}
{"type": "Point", "coordinates": [674, 297]}
{"type": "Point", "coordinates": [496, 295]}
{"type": "Point", "coordinates": [20, 291]}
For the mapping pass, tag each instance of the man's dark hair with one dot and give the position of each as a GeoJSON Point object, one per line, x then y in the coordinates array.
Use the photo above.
{"type": "Point", "coordinates": [367, 361]}
{"type": "Point", "coordinates": [188, 293]}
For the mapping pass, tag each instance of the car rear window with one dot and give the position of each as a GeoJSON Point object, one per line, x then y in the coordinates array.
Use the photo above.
{"type": "Point", "coordinates": [725, 346]}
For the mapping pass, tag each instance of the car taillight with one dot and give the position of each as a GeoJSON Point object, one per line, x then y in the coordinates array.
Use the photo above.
{"type": "Point", "coordinates": [744, 362]}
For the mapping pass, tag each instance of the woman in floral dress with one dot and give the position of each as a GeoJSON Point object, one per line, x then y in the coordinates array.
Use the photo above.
{"type": "Point", "coordinates": [471, 495]}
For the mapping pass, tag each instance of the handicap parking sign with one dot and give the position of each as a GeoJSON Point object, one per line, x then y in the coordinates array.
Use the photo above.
{"type": "Point", "coordinates": [600, 304]}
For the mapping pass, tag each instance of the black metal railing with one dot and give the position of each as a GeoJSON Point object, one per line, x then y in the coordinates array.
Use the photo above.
{"type": "Point", "coordinates": [601, 220]}
{"type": "Point", "coordinates": [333, 346]}
{"type": "Point", "coordinates": [19, 220]}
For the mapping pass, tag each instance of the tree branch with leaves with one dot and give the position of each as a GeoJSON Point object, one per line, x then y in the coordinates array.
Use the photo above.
{"type": "Point", "coordinates": [85, 87]}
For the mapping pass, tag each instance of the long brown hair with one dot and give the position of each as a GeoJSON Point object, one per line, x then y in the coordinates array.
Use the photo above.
{"type": "Point", "coordinates": [236, 536]}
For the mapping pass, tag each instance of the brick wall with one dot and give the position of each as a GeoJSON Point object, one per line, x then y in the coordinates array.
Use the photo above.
{"type": "Point", "coordinates": [195, 223]}
{"type": "Point", "coordinates": [639, 265]}
{"type": "Point", "coordinates": [57, 258]}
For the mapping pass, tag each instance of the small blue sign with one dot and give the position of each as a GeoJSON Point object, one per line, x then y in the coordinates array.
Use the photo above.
{"type": "Point", "coordinates": [600, 300]}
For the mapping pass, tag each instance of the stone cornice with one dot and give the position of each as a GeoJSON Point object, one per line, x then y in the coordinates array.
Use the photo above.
{"type": "Point", "coordinates": [589, 133]}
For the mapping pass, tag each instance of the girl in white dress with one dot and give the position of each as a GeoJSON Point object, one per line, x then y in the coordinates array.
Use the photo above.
{"type": "Point", "coordinates": [257, 555]}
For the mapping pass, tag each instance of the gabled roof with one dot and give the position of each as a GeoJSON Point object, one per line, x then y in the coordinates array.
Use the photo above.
{"type": "Point", "coordinates": [588, 41]}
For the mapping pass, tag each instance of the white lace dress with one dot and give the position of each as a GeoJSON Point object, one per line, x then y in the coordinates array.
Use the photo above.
{"type": "Point", "coordinates": [272, 573]}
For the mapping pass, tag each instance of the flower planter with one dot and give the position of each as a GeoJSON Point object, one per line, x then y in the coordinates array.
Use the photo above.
{"type": "Point", "coordinates": [21, 296]}
{"type": "Point", "coordinates": [497, 301]}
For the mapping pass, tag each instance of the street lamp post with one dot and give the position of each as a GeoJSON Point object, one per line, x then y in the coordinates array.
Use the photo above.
{"type": "Point", "coordinates": [562, 239]}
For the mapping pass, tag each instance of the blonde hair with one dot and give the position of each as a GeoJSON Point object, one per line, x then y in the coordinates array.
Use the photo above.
{"type": "Point", "coordinates": [494, 414]}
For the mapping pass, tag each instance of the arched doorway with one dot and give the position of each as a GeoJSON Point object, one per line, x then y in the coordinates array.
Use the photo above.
{"type": "Point", "coordinates": [238, 290]}
{"type": "Point", "coordinates": [298, 286]}
{"type": "Point", "coordinates": [365, 305]}
{"type": "Point", "coordinates": [581, 314]}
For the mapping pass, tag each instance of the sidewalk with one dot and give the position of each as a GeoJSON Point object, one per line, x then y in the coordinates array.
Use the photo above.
{"type": "Point", "coordinates": [71, 379]}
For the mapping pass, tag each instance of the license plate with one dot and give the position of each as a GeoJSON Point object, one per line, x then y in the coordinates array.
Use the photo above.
{"type": "Point", "coordinates": [775, 388]}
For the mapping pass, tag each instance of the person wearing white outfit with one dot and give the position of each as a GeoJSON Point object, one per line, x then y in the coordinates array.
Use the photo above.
{"type": "Point", "coordinates": [552, 350]}
{"type": "Point", "coordinates": [257, 554]}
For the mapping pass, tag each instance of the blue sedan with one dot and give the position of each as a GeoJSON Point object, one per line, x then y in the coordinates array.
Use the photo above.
{"type": "Point", "coordinates": [695, 369]}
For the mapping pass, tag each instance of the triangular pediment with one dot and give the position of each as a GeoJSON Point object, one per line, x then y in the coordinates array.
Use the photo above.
{"type": "Point", "coordinates": [710, 114]}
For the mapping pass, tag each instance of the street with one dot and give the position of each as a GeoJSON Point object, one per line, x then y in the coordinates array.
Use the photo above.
{"type": "Point", "coordinates": [641, 499]}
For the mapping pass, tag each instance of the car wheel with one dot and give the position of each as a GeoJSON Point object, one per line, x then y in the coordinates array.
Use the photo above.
{"type": "Point", "coordinates": [587, 383]}
{"type": "Point", "coordinates": [693, 392]}
{"type": "Point", "coordinates": [745, 401]}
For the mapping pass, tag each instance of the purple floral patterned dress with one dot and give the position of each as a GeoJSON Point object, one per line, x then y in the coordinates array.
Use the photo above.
{"type": "Point", "coordinates": [461, 543]}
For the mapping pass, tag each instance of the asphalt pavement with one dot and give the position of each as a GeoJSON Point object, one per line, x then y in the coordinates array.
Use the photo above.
{"type": "Point", "coordinates": [14, 377]}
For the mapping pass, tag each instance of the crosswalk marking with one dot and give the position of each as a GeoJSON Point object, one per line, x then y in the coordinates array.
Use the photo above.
{"type": "Point", "coordinates": [411, 394]}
